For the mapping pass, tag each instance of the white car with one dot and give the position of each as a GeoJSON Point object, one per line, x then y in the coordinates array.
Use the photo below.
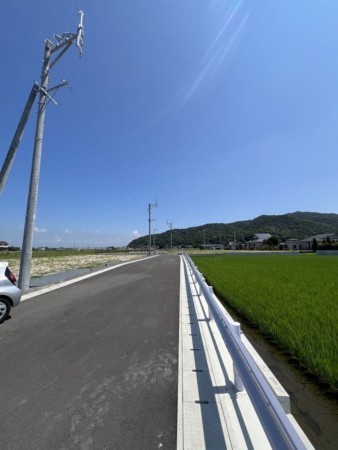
{"type": "Point", "coordinates": [10, 295]}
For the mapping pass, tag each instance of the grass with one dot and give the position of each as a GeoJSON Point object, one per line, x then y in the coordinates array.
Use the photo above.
{"type": "Point", "coordinates": [293, 298]}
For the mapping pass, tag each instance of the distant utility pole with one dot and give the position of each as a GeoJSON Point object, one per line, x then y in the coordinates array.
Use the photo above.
{"type": "Point", "coordinates": [154, 236]}
{"type": "Point", "coordinates": [150, 206]}
{"type": "Point", "coordinates": [63, 43]}
{"type": "Point", "coordinates": [171, 233]}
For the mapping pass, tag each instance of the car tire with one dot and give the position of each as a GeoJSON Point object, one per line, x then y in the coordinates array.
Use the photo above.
{"type": "Point", "coordinates": [5, 308]}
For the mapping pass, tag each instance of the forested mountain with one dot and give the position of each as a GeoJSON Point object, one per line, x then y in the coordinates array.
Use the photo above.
{"type": "Point", "coordinates": [297, 225]}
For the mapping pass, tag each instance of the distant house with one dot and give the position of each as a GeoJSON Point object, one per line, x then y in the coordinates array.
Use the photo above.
{"type": "Point", "coordinates": [306, 244]}
{"type": "Point", "coordinates": [212, 247]}
{"type": "Point", "coordinates": [257, 242]}
{"type": "Point", "coordinates": [291, 244]}
{"type": "Point", "coordinates": [232, 245]}
{"type": "Point", "coordinates": [3, 245]}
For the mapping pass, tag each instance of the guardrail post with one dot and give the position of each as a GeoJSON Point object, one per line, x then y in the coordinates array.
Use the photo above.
{"type": "Point", "coordinates": [210, 316]}
{"type": "Point", "coordinates": [193, 278]}
{"type": "Point", "coordinates": [209, 309]}
{"type": "Point", "coordinates": [236, 326]}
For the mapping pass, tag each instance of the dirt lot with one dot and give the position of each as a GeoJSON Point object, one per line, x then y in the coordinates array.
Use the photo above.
{"type": "Point", "coordinates": [47, 265]}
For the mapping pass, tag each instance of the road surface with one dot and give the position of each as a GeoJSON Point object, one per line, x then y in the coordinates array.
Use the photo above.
{"type": "Point", "coordinates": [94, 365]}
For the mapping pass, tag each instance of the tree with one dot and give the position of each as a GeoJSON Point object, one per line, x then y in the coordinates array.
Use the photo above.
{"type": "Point", "coordinates": [272, 242]}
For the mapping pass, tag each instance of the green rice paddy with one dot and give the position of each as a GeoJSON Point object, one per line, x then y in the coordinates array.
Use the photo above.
{"type": "Point", "coordinates": [293, 298]}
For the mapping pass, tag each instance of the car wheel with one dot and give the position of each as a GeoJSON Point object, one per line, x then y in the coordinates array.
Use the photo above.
{"type": "Point", "coordinates": [5, 308]}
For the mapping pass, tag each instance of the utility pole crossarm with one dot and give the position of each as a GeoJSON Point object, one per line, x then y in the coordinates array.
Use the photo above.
{"type": "Point", "coordinates": [62, 84]}
{"type": "Point", "coordinates": [65, 41]}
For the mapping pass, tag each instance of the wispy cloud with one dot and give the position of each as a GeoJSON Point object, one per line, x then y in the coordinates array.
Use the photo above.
{"type": "Point", "coordinates": [136, 233]}
{"type": "Point", "coordinates": [40, 230]}
{"type": "Point", "coordinates": [68, 231]}
{"type": "Point", "coordinates": [227, 35]}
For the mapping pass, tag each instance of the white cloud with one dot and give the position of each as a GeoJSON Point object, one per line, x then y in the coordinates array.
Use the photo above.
{"type": "Point", "coordinates": [136, 233]}
{"type": "Point", "coordinates": [68, 231]}
{"type": "Point", "coordinates": [40, 230]}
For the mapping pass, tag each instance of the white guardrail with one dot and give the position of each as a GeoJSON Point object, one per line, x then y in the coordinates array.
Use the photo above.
{"type": "Point", "coordinates": [277, 426]}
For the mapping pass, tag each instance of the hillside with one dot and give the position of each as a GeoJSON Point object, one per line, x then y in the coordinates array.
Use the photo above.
{"type": "Point", "coordinates": [297, 225]}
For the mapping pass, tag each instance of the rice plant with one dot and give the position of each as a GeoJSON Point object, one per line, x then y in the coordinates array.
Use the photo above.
{"type": "Point", "coordinates": [293, 298]}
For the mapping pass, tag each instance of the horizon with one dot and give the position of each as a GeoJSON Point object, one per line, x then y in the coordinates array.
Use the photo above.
{"type": "Point", "coordinates": [93, 246]}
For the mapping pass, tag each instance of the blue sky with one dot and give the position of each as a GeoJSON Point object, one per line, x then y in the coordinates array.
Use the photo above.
{"type": "Point", "coordinates": [221, 110]}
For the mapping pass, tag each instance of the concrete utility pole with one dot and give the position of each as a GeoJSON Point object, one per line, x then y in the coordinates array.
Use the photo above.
{"type": "Point", "coordinates": [150, 206]}
{"type": "Point", "coordinates": [17, 137]}
{"type": "Point", "coordinates": [171, 233]}
{"type": "Point", "coordinates": [62, 45]}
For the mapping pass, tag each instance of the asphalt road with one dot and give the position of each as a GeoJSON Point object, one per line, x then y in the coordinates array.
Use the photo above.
{"type": "Point", "coordinates": [94, 365]}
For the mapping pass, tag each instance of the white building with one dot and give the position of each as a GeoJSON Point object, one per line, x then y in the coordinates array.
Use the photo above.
{"type": "Point", "coordinates": [3, 245]}
{"type": "Point", "coordinates": [257, 242]}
